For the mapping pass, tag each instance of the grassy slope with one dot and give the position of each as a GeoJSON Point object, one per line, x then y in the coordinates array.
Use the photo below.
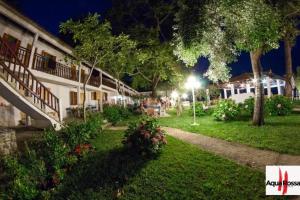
{"type": "Point", "coordinates": [281, 134]}
{"type": "Point", "coordinates": [181, 172]}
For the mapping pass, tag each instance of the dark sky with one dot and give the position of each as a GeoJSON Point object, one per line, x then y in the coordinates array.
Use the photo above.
{"type": "Point", "coordinates": [49, 14]}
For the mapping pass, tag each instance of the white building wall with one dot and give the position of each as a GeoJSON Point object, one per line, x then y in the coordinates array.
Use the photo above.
{"type": "Point", "coordinates": [7, 27]}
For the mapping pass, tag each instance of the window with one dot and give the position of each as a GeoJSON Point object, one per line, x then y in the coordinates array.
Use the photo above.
{"type": "Point", "coordinates": [49, 60]}
{"type": "Point", "coordinates": [73, 72]}
{"type": "Point", "coordinates": [12, 42]}
{"type": "Point", "coordinates": [105, 97]}
{"type": "Point", "coordinates": [94, 96]}
{"type": "Point", "coordinates": [73, 98]}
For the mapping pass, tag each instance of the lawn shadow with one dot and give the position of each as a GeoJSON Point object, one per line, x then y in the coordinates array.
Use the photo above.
{"type": "Point", "coordinates": [105, 171]}
{"type": "Point", "coordinates": [282, 124]}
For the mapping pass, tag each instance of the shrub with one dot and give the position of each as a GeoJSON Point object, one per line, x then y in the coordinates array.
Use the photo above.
{"type": "Point", "coordinates": [112, 114]}
{"type": "Point", "coordinates": [45, 162]}
{"type": "Point", "coordinates": [145, 137]}
{"type": "Point", "coordinates": [75, 132]}
{"type": "Point", "coordinates": [248, 106]}
{"type": "Point", "coordinates": [226, 110]}
{"type": "Point", "coordinates": [279, 105]}
{"type": "Point", "coordinates": [199, 109]}
{"type": "Point", "coordinates": [21, 184]}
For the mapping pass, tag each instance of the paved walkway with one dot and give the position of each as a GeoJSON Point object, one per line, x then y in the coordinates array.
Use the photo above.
{"type": "Point", "coordinates": [240, 153]}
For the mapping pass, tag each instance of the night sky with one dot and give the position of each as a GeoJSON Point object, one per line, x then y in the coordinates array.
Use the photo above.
{"type": "Point", "coordinates": [49, 14]}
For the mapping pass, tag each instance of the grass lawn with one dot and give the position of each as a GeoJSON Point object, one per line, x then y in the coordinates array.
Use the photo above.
{"type": "Point", "coordinates": [181, 172]}
{"type": "Point", "coordinates": [281, 134]}
{"type": "Point", "coordinates": [131, 118]}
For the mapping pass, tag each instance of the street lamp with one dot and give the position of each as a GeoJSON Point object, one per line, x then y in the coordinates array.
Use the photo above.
{"type": "Point", "coordinates": [193, 84]}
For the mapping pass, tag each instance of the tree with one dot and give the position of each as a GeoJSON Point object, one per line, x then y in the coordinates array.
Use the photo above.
{"type": "Point", "coordinates": [224, 28]}
{"type": "Point", "coordinates": [121, 62]}
{"type": "Point", "coordinates": [157, 64]}
{"type": "Point", "coordinates": [152, 29]}
{"type": "Point", "coordinates": [297, 79]}
{"type": "Point", "coordinates": [94, 43]}
{"type": "Point", "coordinates": [289, 12]}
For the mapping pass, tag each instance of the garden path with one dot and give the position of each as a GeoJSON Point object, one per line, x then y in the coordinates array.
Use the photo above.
{"type": "Point", "coordinates": [242, 154]}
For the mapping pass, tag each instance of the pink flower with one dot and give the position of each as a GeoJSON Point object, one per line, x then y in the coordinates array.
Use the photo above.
{"type": "Point", "coordinates": [154, 140]}
{"type": "Point", "coordinates": [158, 137]}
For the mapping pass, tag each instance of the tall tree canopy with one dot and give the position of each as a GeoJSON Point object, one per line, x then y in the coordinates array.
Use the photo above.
{"type": "Point", "coordinates": [289, 11]}
{"type": "Point", "coordinates": [221, 29]}
{"type": "Point", "coordinates": [149, 22]}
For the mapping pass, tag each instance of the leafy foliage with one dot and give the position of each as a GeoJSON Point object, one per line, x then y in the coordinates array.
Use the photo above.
{"type": "Point", "coordinates": [248, 106]}
{"type": "Point", "coordinates": [220, 29]}
{"type": "Point", "coordinates": [45, 162]}
{"type": "Point", "coordinates": [115, 113]}
{"type": "Point", "coordinates": [226, 110]}
{"type": "Point", "coordinates": [152, 29]}
{"type": "Point", "coordinates": [279, 105]}
{"type": "Point", "coordinates": [145, 137]}
{"type": "Point", "coordinates": [199, 109]}
{"type": "Point", "coordinates": [95, 44]}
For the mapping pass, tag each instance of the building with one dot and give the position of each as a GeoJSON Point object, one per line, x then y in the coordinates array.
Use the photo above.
{"type": "Point", "coordinates": [241, 87]}
{"type": "Point", "coordinates": [36, 81]}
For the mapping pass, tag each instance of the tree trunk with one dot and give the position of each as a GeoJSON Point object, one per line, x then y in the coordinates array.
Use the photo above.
{"type": "Point", "coordinates": [84, 92]}
{"type": "Point", "coordinates": [288, 68]}
{"type": "Point", "coordinates": [258, 115]}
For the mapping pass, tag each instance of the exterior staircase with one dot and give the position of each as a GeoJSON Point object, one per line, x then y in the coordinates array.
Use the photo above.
{"type": "Point", "coordinates": [23, 90]}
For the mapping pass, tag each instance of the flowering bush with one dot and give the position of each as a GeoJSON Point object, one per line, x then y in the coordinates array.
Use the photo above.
{"type": "Point", "coordinates": [45, 162]}
{"type": "Point", "coordinates": [145, 137]}
{"type": "Point", "coordinates": [199, 109]}
{"type": "Point", "coordinates": [226, 110]}
{"type": "Point", "coordinates": [279, 105]}
{"type": "Point", "coordinates": [248, 106]}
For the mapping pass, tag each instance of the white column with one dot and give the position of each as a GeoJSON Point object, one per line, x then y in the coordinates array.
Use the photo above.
{"type": "Point", "coordinates": [269, 87]}
{"type": "Point", "coordinates": [60, 111]}
{"type": "Point", "coordinates": [232, 89]}
{"type": "Point", "coordinates": [28, 120]}
{"type": "Point", "coordinates": [278, 87]}
{"type": "Point", "coordinates": [78, 88]}
{"type": "Point", "coordinates": [238, 91]}
{"type": "Point", "coordinates": [35, 39]}
{"type": "Point", "coordinates": [225, 93]}
{"type": "Point", "coordinates": [248, 88]}
{"type": "Point", "coordinates": [101, 96]}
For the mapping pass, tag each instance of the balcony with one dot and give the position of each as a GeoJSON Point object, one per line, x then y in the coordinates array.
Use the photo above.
{"type": "Point", "coordinates": [43, 64]}
{"type": "Point", "coordinates": [46, 65]}
{"type": "Point", "coordinates": [109, 83]}
{"type": "Point", "coordinates": [22, 53]}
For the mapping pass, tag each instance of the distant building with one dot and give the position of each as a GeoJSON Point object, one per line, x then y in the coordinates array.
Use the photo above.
{"type": "Point", "coordinates": [36, 81]}
{"type": "Point", "coordinates": [242, 86]}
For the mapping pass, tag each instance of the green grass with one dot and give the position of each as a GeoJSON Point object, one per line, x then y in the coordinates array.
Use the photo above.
{"type": "Point", "coordinates": [131, 118]}
{"type": "Point", "coordinates": [182, 171]}
{"type": "Point", "coordinates": [281, 134]}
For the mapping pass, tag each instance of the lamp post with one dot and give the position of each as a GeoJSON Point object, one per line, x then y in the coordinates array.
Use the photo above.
{"type": "Point", "coordinates": [193, 84]}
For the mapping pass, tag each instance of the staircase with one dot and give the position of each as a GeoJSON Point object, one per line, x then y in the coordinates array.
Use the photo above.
{"type": "Point", "coordinates": [22, 89]}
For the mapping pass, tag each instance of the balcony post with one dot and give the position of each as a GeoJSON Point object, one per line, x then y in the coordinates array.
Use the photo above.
{"type": "Point", "coordinates": [79, 84]}
{"type": "Point", "coordinates": [35, 39]}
